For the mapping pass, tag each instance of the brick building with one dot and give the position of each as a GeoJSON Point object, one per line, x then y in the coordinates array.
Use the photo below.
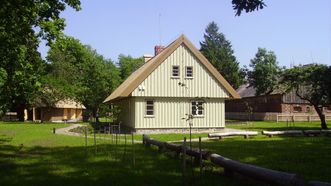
{"type": "Point", "coordinates": [276, 106]}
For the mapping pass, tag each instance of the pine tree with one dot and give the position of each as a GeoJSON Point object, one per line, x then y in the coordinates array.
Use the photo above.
{"type": "Point", "coordinates": [219, 52]}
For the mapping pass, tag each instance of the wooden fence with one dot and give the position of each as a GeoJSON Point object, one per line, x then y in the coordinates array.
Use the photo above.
{"type": "Point", "coordinates": [230, 166]}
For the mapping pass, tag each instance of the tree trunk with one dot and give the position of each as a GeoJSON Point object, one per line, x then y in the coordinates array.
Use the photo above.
{"type": "Point", "coordinates": [322, 116]}
{"type": "Point", "coordinates": [20, 112]}
{"type": "Point", "coordinates": [96, 115]}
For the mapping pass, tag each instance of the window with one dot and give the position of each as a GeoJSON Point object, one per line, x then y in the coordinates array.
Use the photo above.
{"type": "Point", "coordinates": [308, 109]}
{"type": "Point", "coordinates": [175, 71]}
{"type": "Point", "coordinates": [297, 109]}
{"type": "Point", "coordinates": [149, 108]}
{"type": "Point", "coordinates": [189, 72]}
{"type": "Point", "coordinates": [197, 108]}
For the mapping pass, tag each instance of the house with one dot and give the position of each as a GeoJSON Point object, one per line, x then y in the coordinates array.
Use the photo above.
{"type": "Point", "coordinates": [63, 110]}
{"type": "Point", "coordinates": [279, 105]}
{"type": "Point", "coordinates": [175, 84]}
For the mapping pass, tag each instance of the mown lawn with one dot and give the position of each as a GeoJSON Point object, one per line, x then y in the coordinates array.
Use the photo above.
{"type": "Point", "coordinates": [310, 157]}
{"type": "Point", "coordinates": [271, 125]}
{"type": "Point", "coordinates": [31, 155]}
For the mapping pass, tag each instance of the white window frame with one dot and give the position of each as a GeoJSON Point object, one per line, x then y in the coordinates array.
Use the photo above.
{"type": "Point", "coordinates": [186, 72]}
{"type": "Point", "coordinates": [173, 75]}
{"type": "Point", "coordinates": [197, 108]}
{"type": "Point", "coordinates": [148, 109]}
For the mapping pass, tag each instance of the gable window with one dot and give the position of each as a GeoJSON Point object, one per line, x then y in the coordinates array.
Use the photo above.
{"type": "Point", "coordinates": [175, 71]}
{"type": "Point", "coordinates": [197, 108]}
{"type": "Point", "coordinates": [149, 108]}
{"type": "Point", "coordinates": [189, 72]}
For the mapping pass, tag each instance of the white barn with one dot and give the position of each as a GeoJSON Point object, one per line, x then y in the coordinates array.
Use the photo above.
{"type": "Point", "coordinates": [176, 83]}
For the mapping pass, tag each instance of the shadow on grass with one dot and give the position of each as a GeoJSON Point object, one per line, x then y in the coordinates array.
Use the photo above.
{"type": "Point", "coordinates": [106, 164]}
{"type": "Point", "coordinates": [309, 157]}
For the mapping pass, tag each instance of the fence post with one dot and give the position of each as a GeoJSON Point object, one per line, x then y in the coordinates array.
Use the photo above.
{"type": "Point", "coordinates": [95, 142]}
{"type": "Point", "coordinates": [86, 141]}
{"type": "Point", "coordinates": [287, 122]}
{"type": "Point", "coordinates": [54, 130]}
{"type": "Point", "coordinates": [133, 151]}
{"type": "Point", "coordinates": [184, 157]}
{"type": "Point", "coordinates": [200, 155]}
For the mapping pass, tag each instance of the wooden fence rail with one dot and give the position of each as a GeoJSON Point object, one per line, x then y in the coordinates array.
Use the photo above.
{"type": "Point", "coordinates": [230, 166]}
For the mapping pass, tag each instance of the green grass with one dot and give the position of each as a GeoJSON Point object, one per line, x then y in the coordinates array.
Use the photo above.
{"type": "Point", "coordinates": [271, 125]}
{"type": "Point", "coordinates": [310, 157]}
{"type": "Point", "coordinates": [172, 137]}
{"type": "Point", "coordinates": [31, 155]}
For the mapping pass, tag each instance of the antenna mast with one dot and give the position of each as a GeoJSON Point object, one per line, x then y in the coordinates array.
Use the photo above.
{"type": "Point", "coordinates": [160, 33]}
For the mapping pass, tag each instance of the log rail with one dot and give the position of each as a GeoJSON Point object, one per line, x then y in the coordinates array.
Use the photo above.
{"type": "Point", "coordinates": [231, 166]}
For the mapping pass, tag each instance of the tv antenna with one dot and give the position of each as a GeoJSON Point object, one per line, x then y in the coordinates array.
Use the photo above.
{"type": "Point", "coordinates": [160, 33]}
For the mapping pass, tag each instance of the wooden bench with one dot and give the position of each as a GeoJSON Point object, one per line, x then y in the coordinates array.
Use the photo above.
{"type": "Point", "coordinates": [285, 132]}
{"type": "Point", "coordinates": [221, 135]}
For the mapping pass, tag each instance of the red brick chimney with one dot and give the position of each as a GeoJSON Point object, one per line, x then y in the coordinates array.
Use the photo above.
{"type": "Point", "coordinates": [158, 49]}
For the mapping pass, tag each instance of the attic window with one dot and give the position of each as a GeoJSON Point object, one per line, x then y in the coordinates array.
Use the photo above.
{"type": "Point", "coordinates": [149, 108]}
{"type": "Point", "coordinates": [189, 72]}
{"type": "Point", "coordinates": [175, 71]}
{"type": "Point", "coordinates": [197, 108]}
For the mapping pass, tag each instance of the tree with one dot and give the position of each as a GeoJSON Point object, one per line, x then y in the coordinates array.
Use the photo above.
{"type": "Point", "coordinates": [3, 77]}
{"type": "Point", "coordinates": [128, 65]}
{"type": "Point", "coordinates": [265, 73]}
{"type": "Point", "coordinates": [311, 83]}
{"type": "Point", "coordinates": [84, 75]}
{"type": "Point", "coordinates": [23, 23]}
{"type": "Point", "coordinates": [218, 51]}
{"type": "Point", "coordinates": [247, 5]}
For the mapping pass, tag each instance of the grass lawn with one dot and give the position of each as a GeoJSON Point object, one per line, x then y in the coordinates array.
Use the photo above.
{"type": "Point", "coordinates": [31, 155]}
{"type": "Point", "coordinates": [271, 125]}
{"type": "Point", "coordinates": [310, 157]}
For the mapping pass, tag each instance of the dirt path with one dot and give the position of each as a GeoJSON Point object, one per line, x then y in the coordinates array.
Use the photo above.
{"type": "Point", "coordinates": [66, 130]}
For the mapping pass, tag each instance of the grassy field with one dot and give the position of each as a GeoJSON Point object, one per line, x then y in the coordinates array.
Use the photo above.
{"type": "Point", "coordinates": [31, 155]}
{"type": "Point", "coordinates": [271, 125]}
{"type": "Point", "coordinates": [310, 157]}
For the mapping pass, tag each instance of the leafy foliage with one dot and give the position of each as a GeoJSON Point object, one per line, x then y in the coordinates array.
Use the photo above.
{"type": "Point", "coordinates": [312, 83]}
{"type": "Point", "coordinates": [247, 5]}
{"type": "Point", "coordinates": [219, 52]}
{"type": "Point", "coordinates": [128, 65]}
{"type": "Point", "coordinates": [19, 20]}
{"type": "Point", "coordinates": [265, 73]}
{"type": "Point", "coordinates": [3, 77]}
{"type": "Point", "coordinates": [80, 73]}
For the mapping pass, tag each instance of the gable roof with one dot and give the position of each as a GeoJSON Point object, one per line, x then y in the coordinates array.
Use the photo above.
{"type": "Point", "coordinates": [246, 90]}
{"type": "Point", "coordinates": [137, 77]}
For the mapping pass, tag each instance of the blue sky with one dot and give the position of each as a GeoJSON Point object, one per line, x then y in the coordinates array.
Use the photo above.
{"type": "Point", "coordinates": [298, 31]}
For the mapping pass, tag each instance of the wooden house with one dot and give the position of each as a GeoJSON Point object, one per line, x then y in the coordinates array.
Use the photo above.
{"type": "Point", "coordinates": [62, 111]}
{"type": "Point", "coordinates": [175, 84]}
{"type": "Point", "coordinates": [279, 105]}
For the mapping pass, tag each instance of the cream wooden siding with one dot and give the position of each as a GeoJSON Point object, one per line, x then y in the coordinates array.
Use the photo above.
{"type": "Point", "coordinates": [168, 113]}
{"type": "Point", "coordinates": [160, 84]}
